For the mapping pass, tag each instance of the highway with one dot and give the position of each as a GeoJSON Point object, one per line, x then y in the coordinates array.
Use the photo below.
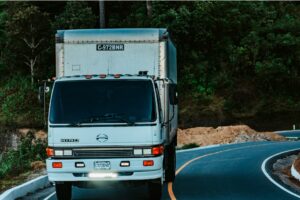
{"type": "Point", "coordinates": [223, 172]}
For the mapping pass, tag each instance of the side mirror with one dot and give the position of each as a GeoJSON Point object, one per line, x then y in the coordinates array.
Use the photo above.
{"type": "Point", "coordinates": [42, 92]}
{"type": "Point", "coordinates": [173, 95]}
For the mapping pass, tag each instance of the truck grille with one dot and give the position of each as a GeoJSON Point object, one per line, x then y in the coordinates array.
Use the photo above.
{"type": "Point", "coordinates": [104, 152]}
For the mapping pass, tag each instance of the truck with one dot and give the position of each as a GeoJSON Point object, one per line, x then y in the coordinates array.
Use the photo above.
{"type": "Point", "coordinates": [113, 109]}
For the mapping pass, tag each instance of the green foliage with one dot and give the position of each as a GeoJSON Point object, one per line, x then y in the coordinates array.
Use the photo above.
{"type": "Point", "coordinates": [14, 162]}
{"type": "Point", "coordinates": [28, 31]}
{"type": "Point", "coordinates": [77, 15]}
{"type": "Point", "coordinates": [19, 105]}
{"type": "Point", "coordinates": [235, 59]}
{"type": "Point", "coordinates": [3, 18]}
{"type": "Point", "coordinates": [189, 146]}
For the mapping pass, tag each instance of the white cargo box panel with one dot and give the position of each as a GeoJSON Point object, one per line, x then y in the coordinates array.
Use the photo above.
{"type": "Point", "coordinates": [108, 51]}
{"type": "Point", "coordinates": [85, 59]}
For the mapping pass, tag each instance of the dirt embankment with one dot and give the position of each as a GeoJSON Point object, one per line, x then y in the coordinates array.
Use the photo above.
{"type": "Point", "coordinates": [204, 136]}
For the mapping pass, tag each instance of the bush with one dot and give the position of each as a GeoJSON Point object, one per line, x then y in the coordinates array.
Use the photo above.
{"type": "Point", "coordinates": [189, 146]}
{"type": "Point", "coordinates": [19, 104]}
{"type": "Point", "coordinates": [14, 162]}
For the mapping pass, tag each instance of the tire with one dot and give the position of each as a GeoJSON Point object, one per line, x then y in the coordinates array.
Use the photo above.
{"type": "Point", "coordinates": [155, 189]}
{"type": "Point", "coordinates": [170, 163]}
{"type": "Point", "coordinates": [63, 191]}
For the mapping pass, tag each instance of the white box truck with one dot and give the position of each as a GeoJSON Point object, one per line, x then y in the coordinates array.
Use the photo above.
{"type": "Point", "coordinates": [113, 109]}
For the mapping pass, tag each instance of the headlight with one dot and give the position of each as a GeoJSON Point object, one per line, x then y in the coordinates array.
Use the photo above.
{"type": "Point", "coordinates": [149, 151]}
{"type": "Point", "coordinates": [59, 152]}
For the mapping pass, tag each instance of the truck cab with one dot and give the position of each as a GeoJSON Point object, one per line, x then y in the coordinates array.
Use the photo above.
{"type": "Point", "coordinates": [113, 109]}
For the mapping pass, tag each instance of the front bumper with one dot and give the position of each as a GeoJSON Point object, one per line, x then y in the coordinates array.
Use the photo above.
{"type": "Point", "coordinates": [136, 170]}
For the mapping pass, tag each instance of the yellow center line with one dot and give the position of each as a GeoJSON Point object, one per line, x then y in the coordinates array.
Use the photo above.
{"type": "Point", "coordinates": [170, 184]}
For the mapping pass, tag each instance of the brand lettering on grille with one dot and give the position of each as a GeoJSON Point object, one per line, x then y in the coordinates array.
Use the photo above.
{"type": "Point", "coordinates": [69, 140]}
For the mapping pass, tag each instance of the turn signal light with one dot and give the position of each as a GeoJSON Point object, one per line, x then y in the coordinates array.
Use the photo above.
{"type": "Point", "coordinates": [158, 150]}
{"type": "Point", "coordinates": [57, 165]}
{"type": "Point", "coordinates": [50, 152]}
{"type": "Point", "coordinates": [148, 162]}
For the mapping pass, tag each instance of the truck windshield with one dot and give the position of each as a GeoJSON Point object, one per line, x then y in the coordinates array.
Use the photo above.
{"type": "Point", "coordinates": [102, 101]}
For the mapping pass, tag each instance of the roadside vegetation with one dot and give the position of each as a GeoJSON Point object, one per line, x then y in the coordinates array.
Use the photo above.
{"type": "Point", "coordinates": [189, 146]}
{"type": "Point", "coordinates": [16, 161]}
{"type": "Point", "coordinates": [236, 60]}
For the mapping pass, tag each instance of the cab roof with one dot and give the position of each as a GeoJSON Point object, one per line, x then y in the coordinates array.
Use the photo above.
{"type": "Point", "coordinates": [104, 77]}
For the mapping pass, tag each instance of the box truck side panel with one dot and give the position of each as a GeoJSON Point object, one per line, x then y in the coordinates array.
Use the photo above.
{"type": "Point", "coordinates": [129, 58]}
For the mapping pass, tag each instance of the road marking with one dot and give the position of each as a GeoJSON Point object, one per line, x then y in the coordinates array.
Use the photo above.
{"type": "Point", "coordinates": [49, 197]}
{"type": "Point", "coordinates": [170, 184]}
{"type": "Point", "coordinates": [198, 148]}
{"type": "Point", "coordinates": [263, 168]}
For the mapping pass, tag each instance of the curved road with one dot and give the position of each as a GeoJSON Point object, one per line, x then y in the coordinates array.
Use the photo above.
{"type": "Point", "coordinates": [292, 134]}
{"type": "Point", "coordinates": [224, 172]}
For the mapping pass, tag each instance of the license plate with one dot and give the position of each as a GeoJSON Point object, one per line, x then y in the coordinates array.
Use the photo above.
{"type": "Point", "coordinates": [104, 165]}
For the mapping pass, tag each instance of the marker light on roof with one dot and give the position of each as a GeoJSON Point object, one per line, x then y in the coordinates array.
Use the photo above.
{"type": "Point", "coordinates": [117, 75]}
{"type": "Point", "coordinates": [88, 76]}
{"type": "Point", "coordinates": [102, 75]}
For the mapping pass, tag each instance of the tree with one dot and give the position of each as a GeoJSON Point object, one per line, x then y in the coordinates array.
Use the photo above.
{"type": "Point", "coordinates": [3, 17]}
{"type": "Point", "coordinates": [77, 15]}
{"type": "Point", "coordinates": [28, 36]}
{"type": "Point", "coordinates": [149, 8]}
{"type": "Point", "coordinates": [102, 13]}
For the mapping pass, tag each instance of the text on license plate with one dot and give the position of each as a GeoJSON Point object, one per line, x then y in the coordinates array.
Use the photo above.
{"type": "Point", "coordinates": [102, 165]}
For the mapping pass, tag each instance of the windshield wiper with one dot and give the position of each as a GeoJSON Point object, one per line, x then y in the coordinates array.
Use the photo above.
{"type": "Point", "coordinates": [104, 117]}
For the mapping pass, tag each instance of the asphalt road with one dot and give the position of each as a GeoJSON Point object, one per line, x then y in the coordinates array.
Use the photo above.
{"type": "Point", "coordinates": [224, 172]}
{"type": "Point", "coordinates": [294, 133]}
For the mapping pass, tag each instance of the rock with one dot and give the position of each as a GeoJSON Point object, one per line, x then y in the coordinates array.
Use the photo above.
{"type": "Point", "coordinates": [223, 135]}
{"type": "Point", "coordinates": [38, 165]}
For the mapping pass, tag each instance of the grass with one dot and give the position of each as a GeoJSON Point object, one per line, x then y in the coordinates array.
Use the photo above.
{"type": "Point", "coordinates": [189, 146]}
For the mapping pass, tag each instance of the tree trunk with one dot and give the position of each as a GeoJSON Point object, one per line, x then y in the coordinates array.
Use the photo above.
{"type": "Point", "coordinates": [32, 64]}
{"type": "Point", "coordinates": [149, 8]}
{"type": "Point", "coordinates": [102, 13]}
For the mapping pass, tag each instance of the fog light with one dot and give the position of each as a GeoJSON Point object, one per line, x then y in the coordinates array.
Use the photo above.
{"type": "Point", "coordinates": [148, 163]}
{"type": "Point", "coordinates": [57, 165]}
{"type": "Point", "coordinates": [102, 175]}
{"type": "Point", "coordinates": [125, 164]}
{"type": "Point", "coordinates": [79, 165]}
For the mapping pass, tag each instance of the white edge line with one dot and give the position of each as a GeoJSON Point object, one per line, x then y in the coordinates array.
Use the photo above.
{"type": "Point", "coordinates": [198, 148]}
{"type": "Point", "coordinates": [263, 168]}
{"type": "Point", "coordinates": [295, 173]}
{"type": "Point", "coordinates": [214, 146]}
{"type": "Point", "coordinates": [50, 195]}
{"type": "Point", "coordinates": [296, 130]}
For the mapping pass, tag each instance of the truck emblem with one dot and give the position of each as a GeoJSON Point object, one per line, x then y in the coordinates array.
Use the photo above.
{"type": "Point", "coordinates": [102, 137]}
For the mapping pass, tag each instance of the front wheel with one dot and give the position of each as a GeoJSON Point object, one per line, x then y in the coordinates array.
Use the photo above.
{"type": "Point", "coordinates": [155, 189]}
{"type": "Point", "coordinates": [170, 163]}
{"type": "Point", "coordinates": [63, 191]}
